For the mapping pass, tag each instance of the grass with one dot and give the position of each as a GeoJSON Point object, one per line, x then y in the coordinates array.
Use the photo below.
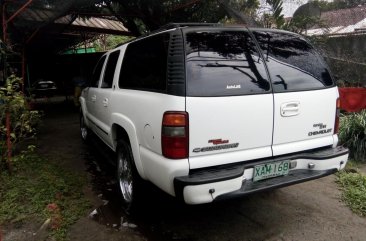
{"type": "Point", "coordinates": [39, 190]}
{"type": "Point", "coordinates": [353, 184]}
{"type": "Point", "coordinates": [352, 134]}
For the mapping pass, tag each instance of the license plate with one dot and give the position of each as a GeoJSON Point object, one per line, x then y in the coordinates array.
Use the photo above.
{"type": "Point", "coordinates": [270, 170]}
{"type": "Point", "coordinates": [44, 86]}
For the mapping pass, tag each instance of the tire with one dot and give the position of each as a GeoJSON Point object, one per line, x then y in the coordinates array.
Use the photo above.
{"type": "Point", "coordinates": [129, 181]}
{"type": "Point", "coordinates": [84, 130]}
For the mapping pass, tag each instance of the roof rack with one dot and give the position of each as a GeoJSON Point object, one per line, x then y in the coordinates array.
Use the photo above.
{"type": "Point", "coordinates": [177, 25]}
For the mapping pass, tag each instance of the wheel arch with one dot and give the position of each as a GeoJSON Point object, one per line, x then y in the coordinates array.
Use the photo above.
{"type": "Point", "coordinates": [123, 128]}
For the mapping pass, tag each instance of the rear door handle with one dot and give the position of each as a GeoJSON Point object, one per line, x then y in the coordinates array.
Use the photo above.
{"type": "Point", "coordinates": [94, 98]}
{"type": "Point", "coordinates": [105, 102]}
{"type": "Point", "coordinates": [290, 109]}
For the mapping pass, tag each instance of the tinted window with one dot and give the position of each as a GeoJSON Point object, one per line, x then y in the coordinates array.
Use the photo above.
{"type": "Point", "coordinates": [293, 63]}
{"type": "Point", "coordinates": [224, 63]}
{"type": "Point", "coordinates": [96, 73]}
{"type": "Point", "coordinates": [145, 63]}
{"type": "Point", "coordinates": [110, 69]}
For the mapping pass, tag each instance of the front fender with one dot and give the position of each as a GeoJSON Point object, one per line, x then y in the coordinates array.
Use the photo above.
{"type": "Point", "coordinates": [84, 110]}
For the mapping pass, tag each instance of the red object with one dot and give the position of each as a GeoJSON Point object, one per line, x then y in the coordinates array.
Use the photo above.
{"type": "Point", "coordinates": [353, 99]}
{"type": "Point", "coordinates": [55, 213]}
{"type": "Point", "coordinates": [174, 135]}
{"type": "Point", "coordinates": [6, 21]}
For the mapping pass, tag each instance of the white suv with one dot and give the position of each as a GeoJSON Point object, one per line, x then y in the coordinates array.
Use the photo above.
{"type": "Point", "coordinates": [207, 111]}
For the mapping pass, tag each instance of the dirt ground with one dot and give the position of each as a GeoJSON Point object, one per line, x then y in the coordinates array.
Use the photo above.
{"type": "Point", "coordinates": [308, 211]}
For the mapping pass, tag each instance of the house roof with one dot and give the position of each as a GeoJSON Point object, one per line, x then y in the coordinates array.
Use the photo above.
{"type": "Point", "coordinates": [344, 17]}
{"type": "Point", "coordinates": [342, 21]}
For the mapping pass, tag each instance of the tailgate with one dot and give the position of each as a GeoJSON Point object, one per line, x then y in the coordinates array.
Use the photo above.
{"type": "Point", "coordinates": [304, 93]}
{"type": "Point", "coordinates": [304, 120]}
{"type": "Point", "coordinates": [229, 129]}
{"type": "Point", "coordinates": [229, 99]}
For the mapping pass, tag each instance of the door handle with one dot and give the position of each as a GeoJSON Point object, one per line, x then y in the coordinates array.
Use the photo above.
{"type": "Point", "coordinates": [290, 109]}
{"type": "Point", "coordinates": [105, 102]}
{"type": "Point", "coordinates": [94, 98]}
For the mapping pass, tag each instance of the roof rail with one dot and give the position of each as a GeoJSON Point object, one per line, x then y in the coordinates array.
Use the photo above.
{"type": "Point", "coordinates": [177, 25]}
{"type": "Point", "coordinates": [174, 25]}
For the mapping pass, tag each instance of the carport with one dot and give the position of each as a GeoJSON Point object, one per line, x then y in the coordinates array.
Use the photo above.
{"type": "Point", "coordinates": [37, 33]}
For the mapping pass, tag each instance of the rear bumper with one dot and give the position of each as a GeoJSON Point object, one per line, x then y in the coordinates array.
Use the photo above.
{"type": "Point", "coordinates": [209, 184]}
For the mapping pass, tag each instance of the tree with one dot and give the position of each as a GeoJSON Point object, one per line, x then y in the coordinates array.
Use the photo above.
{"type": "Point", "coordinates": [273, 15]}
{"type": "Point", "coordinates": [106, 42]}
{"type": "Point", "coordinates": [17, 122]}
{"type": "Point", "coordinates": [305, 17]}
{"type": "Point", "coordinates": [143, 16]}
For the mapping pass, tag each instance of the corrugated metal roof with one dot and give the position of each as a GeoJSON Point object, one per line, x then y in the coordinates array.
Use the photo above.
{"type": "Point", "coordinates": [93, 22]}
{"type": "Point", "coordinates": [344, 17]}
{"type": "Point", "coordinates": [55, 27]}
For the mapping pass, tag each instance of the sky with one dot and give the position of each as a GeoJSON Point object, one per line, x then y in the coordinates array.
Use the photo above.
{"type": "Point", "coordinates": [290, 6]}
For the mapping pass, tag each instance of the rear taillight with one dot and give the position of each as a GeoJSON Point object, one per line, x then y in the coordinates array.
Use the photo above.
{"type": "Point", "coordinates": [336, 124]}
{"type": "Point", "coordinates": [174, 135]}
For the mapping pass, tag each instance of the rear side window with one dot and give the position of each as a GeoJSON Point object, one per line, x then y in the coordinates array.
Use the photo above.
{"type": "Point", "coordinates": [110, 69]}
{"type": "Point", "coordinates": [224, 63]}
{"type": "Point", "coordinates": [292, 62]}
{"type": "Point", "coordinates": [145, 64]}
{"type": "Point", "coordinates": [96, 73]}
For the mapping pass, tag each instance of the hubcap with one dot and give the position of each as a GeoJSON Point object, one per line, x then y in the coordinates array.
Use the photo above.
{"type": "Point", "coordinates": [125, 177]}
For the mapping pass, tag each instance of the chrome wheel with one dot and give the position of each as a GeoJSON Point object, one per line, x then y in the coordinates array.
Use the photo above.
{"type": "Point", "coordinates": [125, 176]}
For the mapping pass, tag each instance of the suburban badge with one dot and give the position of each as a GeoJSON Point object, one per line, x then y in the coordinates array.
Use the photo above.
{"type": "Point", "coordinates": [219, 144]}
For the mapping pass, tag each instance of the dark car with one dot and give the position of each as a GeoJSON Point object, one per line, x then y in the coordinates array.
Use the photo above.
{"type": "Point", "coordinates": [44, 88]}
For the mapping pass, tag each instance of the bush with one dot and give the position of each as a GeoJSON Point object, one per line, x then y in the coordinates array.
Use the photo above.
{"type": "Point", "coordinates": [23, 121]}
{"type": "Point", "coordinates": [352, 134]}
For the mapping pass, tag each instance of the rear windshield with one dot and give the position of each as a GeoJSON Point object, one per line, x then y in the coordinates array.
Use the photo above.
{"type": "Point", "coordinates": [292, 62]}
{"type": "Point", "coordinates": [223, 63]}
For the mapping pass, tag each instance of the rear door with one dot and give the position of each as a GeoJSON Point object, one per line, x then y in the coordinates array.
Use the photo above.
{"type": "Point", "coordinates": [229, 98]}
{"type": "Point", "coordinates": [304, 93]}
{"type": "Point", "coordinates": [103, 94]}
